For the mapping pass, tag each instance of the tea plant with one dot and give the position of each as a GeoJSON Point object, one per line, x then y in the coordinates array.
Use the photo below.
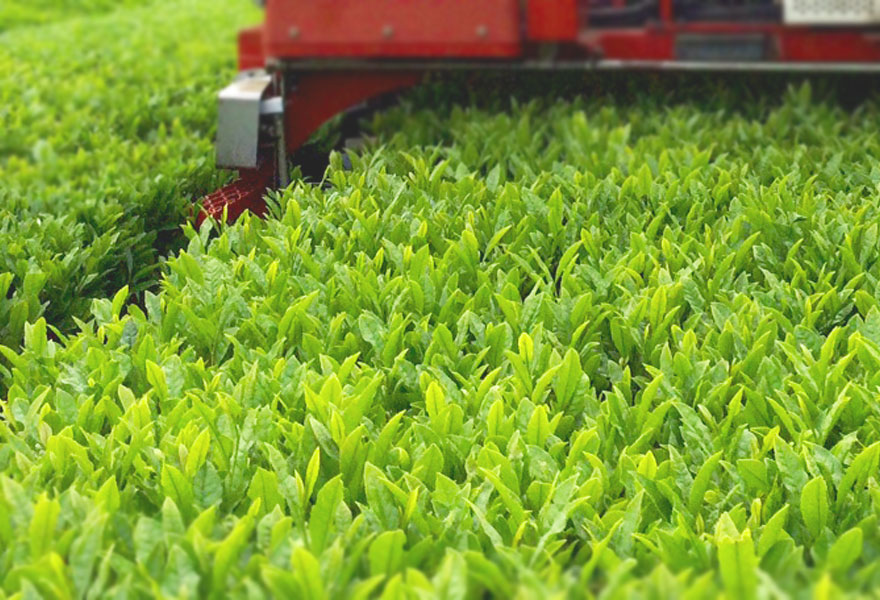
{"type": "Point", "coordinates": [572, 350]}
{"type": "Point", "coordinates": [19, 13]}
{"type": "Point", "coordinates": [107, 128]}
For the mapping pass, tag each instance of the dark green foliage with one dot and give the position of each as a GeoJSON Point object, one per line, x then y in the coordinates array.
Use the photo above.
{"type": "Point", "coordinates": [107, 127]}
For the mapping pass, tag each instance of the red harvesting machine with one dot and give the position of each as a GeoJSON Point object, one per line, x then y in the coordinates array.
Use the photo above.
{"type": "Point", "coordinates": [312, 59]}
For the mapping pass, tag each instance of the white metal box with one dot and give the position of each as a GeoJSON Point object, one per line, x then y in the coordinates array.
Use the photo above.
{"type": "Point", "coordinates": [831, 12]}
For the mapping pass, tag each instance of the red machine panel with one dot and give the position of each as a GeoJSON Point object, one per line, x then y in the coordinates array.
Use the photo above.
{"type": "Point", "coordinates": [552, 20]}
{"type": "Point", "coordinates": [790, 45]}
{"type": "Point", "coordinates": [250, 49]}
{"type": "Point", "coordinates": [393, 28]}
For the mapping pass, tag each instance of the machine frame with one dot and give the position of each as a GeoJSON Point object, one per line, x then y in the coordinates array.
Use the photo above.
{"type": "Point", "coordinates": [312, 59]}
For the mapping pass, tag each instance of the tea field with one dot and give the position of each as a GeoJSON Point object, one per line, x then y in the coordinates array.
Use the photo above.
{"type": "Point", "coordinates": [107, 118]}
{"type": "Point", "coordinates": [622, 345]}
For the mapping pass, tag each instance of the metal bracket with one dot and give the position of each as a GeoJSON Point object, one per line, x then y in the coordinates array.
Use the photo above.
{"type": "Point", "coordinates": [240, 106]}
{"type": "Point", "coordinates": [274, 107]}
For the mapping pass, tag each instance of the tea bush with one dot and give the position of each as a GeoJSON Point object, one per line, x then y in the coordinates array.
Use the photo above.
{"type": "Point", "coordinates": [19, 13]}
{"type": "Point", "coordinates": [107, 125]}
{"type": "Point", "coordinates": [570, 349]}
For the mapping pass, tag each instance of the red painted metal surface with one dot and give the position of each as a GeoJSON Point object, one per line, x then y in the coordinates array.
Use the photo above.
{"type": "Point", "coordinates": [393, 28]}
{"type": "Point", "coordinates": [789, 44]}
{"type": "Point", "coordinates": [250, 49]}
{"type": "Point", "coordinates": [804, 45]}
{"type": "Point", "coordinates": [319, 96]}
{"type": "Point", "coordinates": [470, 29]}
{"type": "Point", "coordinates": [666, 12]}
{"type": "Point", "coordinates": [629, 44]}
{"type": "Point", "coordinates": [245, 193]}
{"type": "Point", "coordinates": [552, 20]}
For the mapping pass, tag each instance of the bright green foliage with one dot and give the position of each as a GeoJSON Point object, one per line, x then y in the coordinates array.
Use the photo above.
{"type": "Point", "coordinates": [106, 129]}
{"type": "Point", "coordinates": [577, 349]}
{"type": "Point", "coordinates": [17, 13]}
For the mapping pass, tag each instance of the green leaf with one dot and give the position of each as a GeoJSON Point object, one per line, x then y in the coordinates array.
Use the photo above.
{"type": "Point", "coordinates": [450, 581]}
{"type": "Point", "coordinates": [538, 428]}
{"type": "Point", "coordinates": [85, 550]}
{"type": "Point", "coordinates": [307, 572]}
{"type": "Point", "coordinates": [41, 531]}
{"type": "Point", "coordinates": [264, 487]}
{"type": "Point", "coordinates": [846, 550]}
{"type": "Point", "coordinates": [814, 505]}
{"type": "Point", "coordinates": [380, 498]}
{"type": "Point", "coordinates": [568, 377]}
{"type": "Point", "coordinates": [229, 551]}
{"type": "Point", "coordinates": [386, 553]}
{"type": "Point", "coordinates": [736, 559]}
{"type": "Point", "coordinates": [701, 483]}
{"type": "Point", "coordinates": [207, 486]}
{"type": "Point", "coordinates": [119, 301]}
{"type": "Point", "coordinates": [435, 402]}
{"type": "Point", "coordinates": [198, 452]}
{"type": "Point", "coordinates": [312, 471]}
{"type": "Point", "coordinates": [331, 391]}
{"type": "Point", "coordinates": [108, 496]}
{"type": "Point", "coordinates": [857, 473]}
{"type": "Point", "coordinates": [177, 487]}
{"type": "Point", "coordinates": [156, 377]}
{"type": "Point", "coordinates": [494, 178]}
{"type": "Point", "coordinates": [323, 513]}
{"type": "Point", "coordinates": [773, 531]}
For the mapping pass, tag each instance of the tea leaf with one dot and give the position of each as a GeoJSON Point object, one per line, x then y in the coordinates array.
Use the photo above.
{"type": "Point", "coordinates": [814, 505]}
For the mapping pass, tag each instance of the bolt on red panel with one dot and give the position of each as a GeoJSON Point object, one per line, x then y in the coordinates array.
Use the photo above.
{"type": "Point", "coordinates": [393, 28]}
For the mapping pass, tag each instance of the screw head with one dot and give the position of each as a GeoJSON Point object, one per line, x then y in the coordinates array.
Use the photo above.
{"type": "Point", "coordinates": [482, 31]}
{"type": "Point", "coordinates": [388, 31]}
{"type": "Point", "coordinates": [294, 32]}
